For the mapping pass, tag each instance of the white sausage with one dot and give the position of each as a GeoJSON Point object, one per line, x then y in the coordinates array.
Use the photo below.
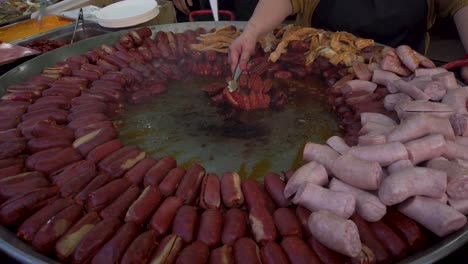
{"type": "Point", "coordinates": [391, 100]}
{"type": "Point", "coordinates": [357, 172]}
{"type": "Point", "coordinates": [315, 198]}
{"type": "Point", "coordinates": [337, 143]}
{"type": "Point", "coordinates": [457, 177]}
{"type": "Point", "coordinates": [311, 172]}
{"type": "Point", "coordinates": [420, 125]}
{"type": "Point", "coordinates": [399, 165]}
{"type": "Point", "coordinates": [398, 186]}
{"type": "Point", "coordinates": [336, 233]}
{"type": "Point", "coordinates": [384, 154]}
{"type": "Point", "coordinates": [377, 118]}
{"type": "Point", "coordinates": [456, 98]}
{"type": "Point", "coordinates": [425, 148]}
{"type": "Point", "coordinates": [322, 154]}
{"type": "Point", "coordinates": [439, 218]}
{"type": "Point", "coordinates": [368, 206]}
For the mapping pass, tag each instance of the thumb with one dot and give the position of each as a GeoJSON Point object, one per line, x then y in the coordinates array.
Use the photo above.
{"type": "Point", "coordinates": [190, 2]}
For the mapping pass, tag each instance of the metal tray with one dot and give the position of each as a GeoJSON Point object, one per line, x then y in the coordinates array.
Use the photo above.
{"type": "Point", "coordinates": [22, 252]}
{"type": "Point", "coordinates": [65, 33]}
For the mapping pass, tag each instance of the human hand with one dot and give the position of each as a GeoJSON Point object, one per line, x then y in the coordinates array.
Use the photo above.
{"type": "Point", "coordinates": [241, 50]}
{"type": "Point", "coordinates": [182, 5]}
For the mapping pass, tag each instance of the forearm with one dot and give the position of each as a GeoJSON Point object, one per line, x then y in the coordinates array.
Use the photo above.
{"type": "Point", "coordinates": [267, 16]}
{"type": "Point", "coordinates": [461, 21]}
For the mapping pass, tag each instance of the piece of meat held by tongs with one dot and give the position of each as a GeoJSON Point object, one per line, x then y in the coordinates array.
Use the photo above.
{"type": "Point", "coordinates": [232, 85]}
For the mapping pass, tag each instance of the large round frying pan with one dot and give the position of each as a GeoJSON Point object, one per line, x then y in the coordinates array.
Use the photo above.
{"type": "Point", "coordinates": [281, 159]}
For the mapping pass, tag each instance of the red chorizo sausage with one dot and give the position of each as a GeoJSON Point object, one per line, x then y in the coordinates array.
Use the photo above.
{"type": "Point", "coordinates": [87, 120]}
{"type": "Point", "coordinates": [136, 174]}
{"type": "Point", "coordinates": [222, 255]}
{"type": "Point", "coordinates": [95, 239]}
{"type": "Point", "coordinates": [271, 253]}
{"type": "Point", "coordinates": [124, 163]}
{"type": "Point", "coordinates": [20, 207]}
{"type": "Point", "coordinates": [369, 238]}
{"type": "Point", "coordinates": [109, 159]}
{"type": "Point", "coordinates": [303, 216]}
{"type": "Point", "coordinates": [211, 226]}
{"type": "Point", "coordinates": [210, 192]}
{"type": "Point", "coordinates": [54, 228]}
{"type": "Point", "coordinates": [185, 223]}
{"type": "Point", "coordinates": [95, 184]}
{"type": "Point", "coordinates": [73, 170]}
{"type": "Point", "coordinates": [157, 173]}
{"type": "Point", "coordinates": [170, 183]}
{"type": "Point", "coordinates": [11, 170]}
{"type": "Point", "coordinates": [168, 250]}
{"type": "Point", "coordinates": [389, 239]}
{"type": "Point", "coordinates": [246, 251]}
{"type": "Point", "coordinates": [58, 160]}
{"type": "Point", "coordinates": [46, 129]}
{"type": "Point", "coordinates": [103, 196]}
{"type": "Point", "coordinates": [104, 150]}
{"type": "Point", "coordinates": [119, 207]}
{"type": "Point", "coordinates": [326, 255]}
{"type": "Point", "coordinates": [231, 190]}
{"type": "Point", "coordinates": [190, 184]}
{"type": "Point", "coordinates": [275, 188]}
{"type": "Point", "coordinates": [253, 194]}
{"type": "Point", "coordinates": [94, 139]}
{"type": "Point", "coordinates": [406, 228]}
{"type": "Point", "coordinates": [196, 253]}
{"type": "Point", "coordinates": [67, 243]}
{"type": "Point", "coordinates": [92, 127]}
{"type": "Point", "coordinates": [262, 225]}
{"type": "Point", "coordinates": [29, 228]}
{"type": "Point", "coordinates": [235, 226]}
{"type": "Point", "coordinates": [11, 190]}
{"type": "Point", "coordinates": [287, 222]}
{"type": "Point", "coordinates": [38, 144]}
{"type": "Point", "coordinates": [162, 218]}
{"type": "Point", "coordinates": [298, 251]}
{"type": "Point", "coordinates": [143, 206]}
{"type": "Point", "coordinates": [114, 248]}
{"type": "Point", "coordinates": [140, 250]}
{"type": "Point", "coordinates": [34, 158]}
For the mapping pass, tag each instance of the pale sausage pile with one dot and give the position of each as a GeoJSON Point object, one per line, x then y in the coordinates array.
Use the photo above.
{"type": "Point", "coordinates": [71, 189]}
{"type": "Point", "coordinates": [415, 160]}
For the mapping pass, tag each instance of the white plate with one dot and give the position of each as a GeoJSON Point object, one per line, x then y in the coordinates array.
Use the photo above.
{"type": "Point", "coordinates": [126, 9]}
{"type": "Point", "coordinates": [129, 22]}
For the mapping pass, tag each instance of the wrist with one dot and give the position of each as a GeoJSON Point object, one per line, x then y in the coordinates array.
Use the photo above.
{"type": "Point", "coordinates": [251, 31]}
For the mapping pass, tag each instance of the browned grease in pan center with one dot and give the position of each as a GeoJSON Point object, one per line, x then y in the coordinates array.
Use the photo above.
{"type": "Point", "coordinates": [181, 123]}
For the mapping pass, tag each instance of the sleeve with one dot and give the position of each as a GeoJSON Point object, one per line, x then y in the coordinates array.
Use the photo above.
{"type": "Point", "coordinates": [446, 8]}
{"type": "Point", "coordinates": [304, 10]}
{"type": "Point", "coordinates": [297, 6]}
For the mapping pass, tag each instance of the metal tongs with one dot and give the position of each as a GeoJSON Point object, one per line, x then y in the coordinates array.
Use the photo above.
{"type": "Point", "coordinates": [80, 18]}
{"type": "Point", "coordinates": [42, 10]}
{"type": "Point", "coordinates": [232, 85]}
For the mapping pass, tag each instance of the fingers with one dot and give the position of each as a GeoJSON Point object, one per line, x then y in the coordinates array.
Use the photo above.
{"type": "Point", "coordinates": [182, 6]}
{"type": "Point", "coordinates": [245, 56]}
{"type": "Point", "coordinates": [190, 2]}
{"type": "Point", "coordinates": [233, 57]}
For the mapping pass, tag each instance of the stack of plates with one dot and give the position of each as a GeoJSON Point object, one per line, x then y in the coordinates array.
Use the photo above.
{"type": "Point", "coordinates": [127, 13]}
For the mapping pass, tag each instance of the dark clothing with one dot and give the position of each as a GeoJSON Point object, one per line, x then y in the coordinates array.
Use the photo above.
{"type": "Point", "coordinates": [392, 23]}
